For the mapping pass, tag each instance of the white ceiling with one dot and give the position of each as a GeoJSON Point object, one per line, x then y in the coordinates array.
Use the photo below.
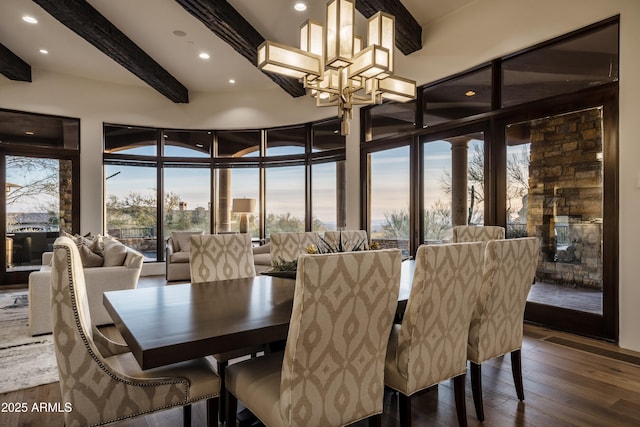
{"type": "Point", "coordinates": [151, 25]}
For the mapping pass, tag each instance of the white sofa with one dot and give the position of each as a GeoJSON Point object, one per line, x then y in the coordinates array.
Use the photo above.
{"type": "Point", "coordinates": [98, 280]}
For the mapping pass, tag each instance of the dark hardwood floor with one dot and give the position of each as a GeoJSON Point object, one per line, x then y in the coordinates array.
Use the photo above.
{"type": "Point", "coordinates": [568, 380]}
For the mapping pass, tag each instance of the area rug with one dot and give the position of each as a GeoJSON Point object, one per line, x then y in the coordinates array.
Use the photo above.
{"type": "Point", "coordinates": [25, 361]}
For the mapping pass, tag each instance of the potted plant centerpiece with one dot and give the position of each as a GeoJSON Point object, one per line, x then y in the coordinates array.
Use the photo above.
{"type": "Point", "coordinates": [285, 268]}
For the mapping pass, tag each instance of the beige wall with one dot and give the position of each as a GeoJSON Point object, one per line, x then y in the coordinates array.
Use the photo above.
{"type": "Point", "coordinates": [475, 34]}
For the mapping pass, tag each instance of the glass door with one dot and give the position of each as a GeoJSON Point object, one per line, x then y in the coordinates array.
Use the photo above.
{"type": "Point", "coordinates": [555, 191]}
{"type": "Point", "coordinates": [38, 204]}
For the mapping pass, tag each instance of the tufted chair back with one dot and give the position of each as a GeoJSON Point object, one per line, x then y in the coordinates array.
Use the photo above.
{"type": "Point", "coordinates": [288, 246]}
{"type": "Point", "coordinates": [221, 257]}
{"type": "Point", "coordinates": [343, 309]}
{"type": "Point", "coordinates": [477, 233]}
{"type": "Point", "coordinates": [98, 393]}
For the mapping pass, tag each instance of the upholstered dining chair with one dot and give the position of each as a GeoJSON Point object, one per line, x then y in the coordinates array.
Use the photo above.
{"type": "Point", "coordinates": [222, 257]}
{"type": "Point", "coordinates": [497, 323]}
{"type": "Point", "coordinates": [477, 233]}
{"type": "Point", "coordinates": [348, 239]}
{"type": "Point", "coordinates": [332, 369]}
{"type": "Point", "coordinates": [288, 246]}
{"type": "Point", "coordinates": [100, 378]}
{"type": "Point", "coordinates": [430, 344]}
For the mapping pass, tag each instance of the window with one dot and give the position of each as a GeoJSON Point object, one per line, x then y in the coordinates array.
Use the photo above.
{"type": "Point", "coordinates": [285, 199]}
{"type": "Point", "coordinates": [540, 160]}
{"type": "Point", "coordinates": [187, 199]}
{"type": "Point", "coordinates": [565, 66]}
{"type": "Point", "coordinates": [457, 98]}
{"type": "Point", "coordinates": [187, 144]}
{"type": "Point", "coordinates": [389, 119]}
{"type": "Point", "coordinates": [389, 195]}
{"type": "Point", "coordinates": [132, 208]}
{"type": "Point", "coordinates": [193, 177]}
{"type": "Point", "coordinates": [39, 168]}
{"type": "Point", "coordinates": [130, 140]}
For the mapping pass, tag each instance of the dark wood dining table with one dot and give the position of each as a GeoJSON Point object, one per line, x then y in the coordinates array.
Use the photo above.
{"type": "Point", "coordinates": [173, 323]}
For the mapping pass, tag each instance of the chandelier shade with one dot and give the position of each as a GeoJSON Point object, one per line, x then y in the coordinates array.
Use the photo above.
{"type": "Point", "coordinates": [335, 67]}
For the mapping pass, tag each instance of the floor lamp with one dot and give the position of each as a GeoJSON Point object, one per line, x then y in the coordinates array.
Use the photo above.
{"type": "Point", "coordinates": [243, 207]}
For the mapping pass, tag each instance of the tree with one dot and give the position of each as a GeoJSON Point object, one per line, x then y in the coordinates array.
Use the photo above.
{"type": "Point", "coordinates": [396, 224]}
{"type": "Point", "coordinates": [518, 180]}
{"type": "Point", "coordinates": [41, 178]}
{"type": "Point", "coordinates": [38, 190]}
{"type": "Point", "coordinates": [283, 223]}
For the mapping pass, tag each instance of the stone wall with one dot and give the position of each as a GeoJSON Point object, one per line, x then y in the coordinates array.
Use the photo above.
{"type": "Point", "coordinates": [565, 192]}
{"type": "Point", "coordinates": [66, 196]}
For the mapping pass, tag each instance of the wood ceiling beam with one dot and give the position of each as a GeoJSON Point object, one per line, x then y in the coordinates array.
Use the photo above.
{"type": "Point", "coordinates": [226, 23]}
{"type": "Point", "coordinates": [80, 17]}
{"type": "Point", "coordinates": [12, 66]}
{"type": "Point", "coordinates": [408, 31]}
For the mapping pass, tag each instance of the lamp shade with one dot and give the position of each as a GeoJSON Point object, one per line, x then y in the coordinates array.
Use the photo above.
{"type": "Point", "coordinates": [243, 205]}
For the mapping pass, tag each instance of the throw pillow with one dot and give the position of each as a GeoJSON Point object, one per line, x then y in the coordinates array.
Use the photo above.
{"type": "Point", "coordinates": [90, 249]}
{"type": "Point", "coordinates": [89, 258]}
{"type": "Point", "coordinates": [114, 253]}
{"type": "Point", "coordinates": [182, 240]}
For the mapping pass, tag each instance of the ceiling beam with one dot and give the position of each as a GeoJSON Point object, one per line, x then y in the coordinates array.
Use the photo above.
{"type": "Point", "coordinates": [12, 66]}
{"type": "Point", "coordinates": [226, 23]}
{"type": "Point", "coordinates": [80, 17]}
{"type": "Point", "coordinates": [408, 31]}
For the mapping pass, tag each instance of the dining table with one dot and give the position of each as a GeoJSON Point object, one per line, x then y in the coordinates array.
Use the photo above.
{"type": "Point", "coordinates": [173, 323]}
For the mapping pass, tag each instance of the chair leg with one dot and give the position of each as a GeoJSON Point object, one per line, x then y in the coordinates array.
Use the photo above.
{"type": "Point", "coordinates": [476, 388]}
{"type": "Point", "coordinates": [221, 367]}
{"type": "Point", "coordinates": [232, 408]}
{"type": "Point", "coordinates": [516, 370]}
{"type": "Point", "coordinates": [404, 403]}
{"type": "Point", "coordinates": [461, 404]}
{"type": "Point", "coordinates": [186, 415]}
{"type": "Point", "coordinates": [375, 420]}
{"type": "Point", "coordinates": [212, 411]}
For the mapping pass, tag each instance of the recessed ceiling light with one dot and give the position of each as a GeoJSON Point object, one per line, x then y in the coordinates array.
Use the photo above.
{"type": "Point", "coordinates": [470, 93]}
{"type": "Point", "coordinates": [44, 51]}
{"type": "Point", "coordinates": [232, 81]}
{"type": "Point", "coordinates": [179, 33]}
{"type": "Point", "coordinates": [28, 132]}
{"type": "Point", "coordinates": [204, 55]}
{"type": "Point", "coordinates": [199, 145]}
{"type": "Point", "coordinates": [29, 19]}
{"type": "Point", "coordinates": [300, 7]}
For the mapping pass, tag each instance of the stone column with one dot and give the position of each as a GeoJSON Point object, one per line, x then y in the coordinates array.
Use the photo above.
{"type": "Point", "coordinates": [341, 194]}
{"type": "Point", "coordinates": [224, 201]}
{"type": "Point", "coordinates": [459, 178]}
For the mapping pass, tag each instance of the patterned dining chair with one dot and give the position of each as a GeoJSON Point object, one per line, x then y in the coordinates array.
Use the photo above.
{"type": "Point", "coordinates": [430, 344]}
{"type": "Point", "coordinates": [288, 246]}
{"type": "Point", "coordinates": [497, 323]}
{"type": "Point", "coordinates": [216, 257]}
{"type": "Point", "coordinates": [477, 233]}
{"type": "Point", "coordinates": [332, 369]}
{"type": "Point", "coordinates": [221, 257]}
{"type": "Point", "coordinates": [348, 240]}
{"type": "Point", "coordinates": [100, 378]}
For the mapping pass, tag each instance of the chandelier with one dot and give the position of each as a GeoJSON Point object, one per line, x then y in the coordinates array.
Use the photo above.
{"type": "Point", "coordinates": [334, 66]}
